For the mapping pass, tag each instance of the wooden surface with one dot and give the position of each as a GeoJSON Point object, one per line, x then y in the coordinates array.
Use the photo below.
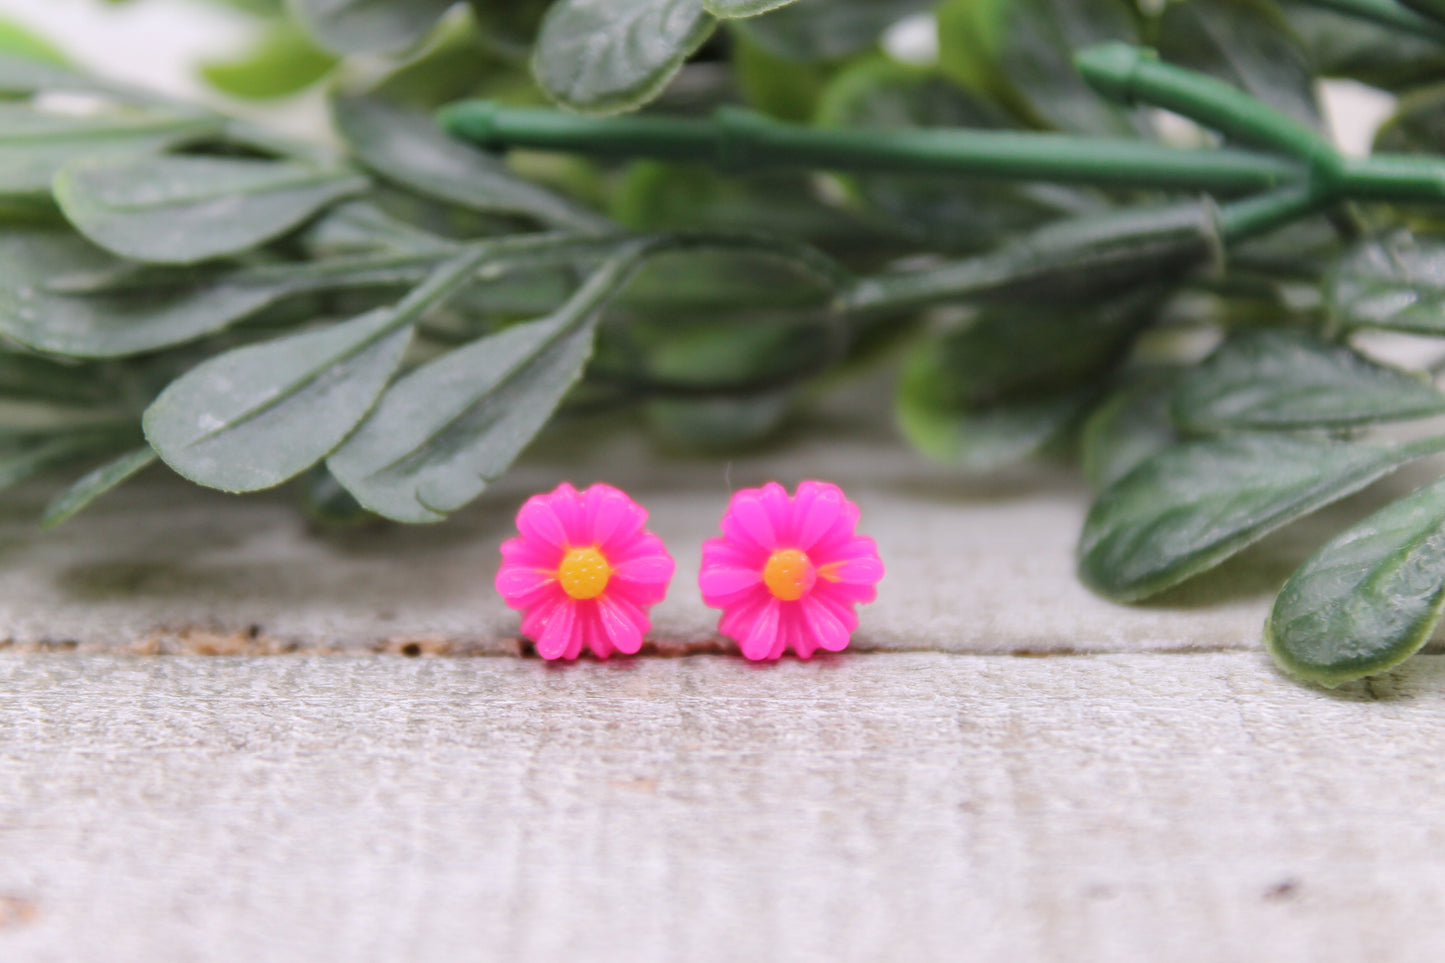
{"type": "Point", "coordinates": [893, 806]}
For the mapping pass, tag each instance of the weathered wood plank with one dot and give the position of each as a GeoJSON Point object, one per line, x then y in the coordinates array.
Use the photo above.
{"type": "Point", "coordinates": [972, 566]}
{"type": "Point", "coordinates": [869, 807]}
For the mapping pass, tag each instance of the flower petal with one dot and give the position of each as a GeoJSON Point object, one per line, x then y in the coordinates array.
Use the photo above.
{"type": "Point", "coordinates": [842, 530]}
{"type": "Point", "coordinates": [761, 637]}
{"type": "Point", "coordinates": [822, 626]}
{"type": "Point", "coordinates": [855, 561]}
{"type": "Point", "coordinates": [539, 522]}
{"type": "Point", "coordinates": [749, 520]}
{"type": "Point", "coordinates": [609, 516]}
{"type": "Point", "coordinates": [560, 634]}
{"type": "Point", "coordinates": [841, 598]}
{"type": "Point", "coordinates": [816, 510]}
{"type": "Point", "coordinates": [646, 569]}
{"type": "Point", "coordinates": [739, 615]}
{"type": "Point", "coordinates": [722, 583]}
{"type": "Point", "coordinates": [794, 627]}
{"type": "Point", "coordinates": [522, 586]}
{"type": "Point", "coordinates": [623, 623]}
{"type": "Point", "coordinates": [523, 551]}
{"type": "Point", "coordinates": [589, 631]}
{"type": "Point", "coordinates": [721, 552]}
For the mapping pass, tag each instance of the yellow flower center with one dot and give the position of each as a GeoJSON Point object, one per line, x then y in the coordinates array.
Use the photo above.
{"type": "Point", "coordinates": [789, 575]}
{"type": "Point", "coordinates": [584, 573]}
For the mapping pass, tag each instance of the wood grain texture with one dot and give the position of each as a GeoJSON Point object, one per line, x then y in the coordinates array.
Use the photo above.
{"type": "Point", "coordinates": [973, 566]}
{"type": "Point", "coordinates": [908, 806]}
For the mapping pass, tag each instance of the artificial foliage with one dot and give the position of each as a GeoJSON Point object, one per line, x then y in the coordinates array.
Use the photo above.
{"type": "Point", "coordinates": [700, 209]}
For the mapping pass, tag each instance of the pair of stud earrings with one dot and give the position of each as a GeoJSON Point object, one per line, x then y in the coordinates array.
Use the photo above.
{"type": "Point", "coordinates": [788, 571]}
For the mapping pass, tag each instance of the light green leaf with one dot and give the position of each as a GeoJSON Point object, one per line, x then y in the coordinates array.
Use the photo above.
{"type": "Point", "coordinates": [35, 145]}
{"type": "Point", "coordinates": [1369, 599]}
{"type": "Point", "coordinates": [1247, 44]}
{"type": "Point", "coordinates": [255, 416]}
{"type": "Point", "coordinates": [405, 146]}
{"type": "Point", "coordinates": [949, 212]}
{"type": "Point", "coordinates": [1130, 427]}
{"type": "Point", "coordinates": [19, 41]}
{"type": "Point", "coordinates": [991, 435]}
{"type": "Point", "coordinates": [810, 30]}
{"type": "Point", "coordinates": [93, 484]}
{"type": "Point", "coordinates": [368, 26]}
{"type": "Point", "coordinates": [62, 295]}
{"type": "Point", "coordinates": [1194, 505]}
{"type": "Point", "coordinates": [181, 209]}
{"type": "Point", "coordinates": [443, 432]}
{"type": "Point", "coordinates": [607, 56]}
{"type": "Point", "coordinates": [1021, 51]}
{"type": "Point", "coordinates": [1395, 282]}
{"type": "Point", "coordinates": [1269, 380]}
{"type": "Point", "coordinates": [728, 9]}
{"type": "Point", "coordinates": [21, 76]}
{"type": "Point", "coordinates": [280, 62]}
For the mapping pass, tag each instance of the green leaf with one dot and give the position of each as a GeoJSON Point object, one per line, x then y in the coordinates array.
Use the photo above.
{"type": "Point", "coordinates": [22, 75]}
{"type": "Point", "coordinates": [1369, 599]}
{"type": "Point", "coordinates": [607, 56]}
{"type": "Point", "coordinates": [1395, 282]}
{"type": "Point", "coordinates": [406, 147]}
{"type": "Point", "coordinates": [785, 89]}
{"type": "Point", "coordinates": [728, 9]}
{"type": "Point", "coordinates": [949, 212]}
{"type": "Point", "coordinates": [1418, 124]}
{"type": "Point", "coordinates": [1128, 428]}
{"type": "Point", "coordinates": [280, 62]}
{"type": "Point", "coordinates": [1269, 380]}
{"type": "Point", "coordinates": [714, 426]}
{"type": "Point", "coordinates": [62, 295]}
{"type": "Point", "coordinates": [443, 432]}
{"type": "Point", "coordinates": [1005, 385]}
{"type": "Point", "coordinates": [27, 377]}
{"type": "Point", "coordinates": [368, 26]}
{"type": "Point", "coordinates": [1247, 44]}
{"type": "Point", "coordinates": [255, 416]}
{"type": "Point", "coordinates": [181, 209]}
{"type": "Point", "coordinates": [24, 455]}
{"type": "Point", "coordinates": [1194, 505]}
{"type": "Point", "coordinates": [19, 41]}
{"type": "Point", "coordinates": [1021, 51]}
{"type": "Point", "coordinates": [93, 484]}
{"type": "Point", "coordinates": [35, 145]}
{"type": "Point", "coordinates": [811, 30]}
{"type": "Point", "coordinates": [1345, 46]}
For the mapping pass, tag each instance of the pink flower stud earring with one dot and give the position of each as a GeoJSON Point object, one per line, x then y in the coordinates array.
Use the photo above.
{"type": "Point", "coordinates": [584, 571]}
{"type": "Point", "coordinates": [789, 571]}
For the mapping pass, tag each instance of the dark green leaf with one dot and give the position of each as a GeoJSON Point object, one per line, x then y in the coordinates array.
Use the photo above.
{"type": "Point", "coordinates": [1266, 380]}
{"type": "Point", "coordinates": [62, 295]}
{"type": "Point", "coordinates": [1395, 282]}
{"type": "Point", "coordinates": [182, 209]}
{"type": "Point", "coordinates": [947, 212]}
{"type": "Point", "coordinates": [1369, 599]}
{"type": "Point", "coordinates": [255, 416]}
{"type": "Point", "coordinates": [1247, 44]}
{"type": "Point", "coordinates": [365, 26]}
{"type": "Point", "coordinates": [785, 89]}
{"type": "Point", "coordinates": [1194, 505]}
{"type": "Point", "coordinates": [35, 145]}
{"type": "Point", "coordinates": [606, 56]}
{"type": "Point", "coordinates": [1344, 46]}
{"type": "Point", "coordinates": [1418, 124]}
{"type": "Point", "coordinates": [716, 426]}
{"type": "Point", "coordinates": [1021, 51]}
{"type": "Point", "coordinates": [406, 147]}
{"type": "Point", "coordinates": [23, 456]}
{"type": "Point", "coordinates": [325, 501]}
{"type": "Point", "coordinates": [1013, 379]}
{"type": "Point", "coordinates": [1131, 426]}
{"type": "Point", "coordinates": [279, 63]}
{"type": "Point", "coordinates": [811, 30]}
{"type": "Point", "coordinates": [26, 377]}
{"type": "Point", "coordinates": [443, 432]}
{"type": "Point", "coordinates": [93, 484]}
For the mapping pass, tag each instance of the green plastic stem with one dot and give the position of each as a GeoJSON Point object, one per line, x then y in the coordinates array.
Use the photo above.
{"type": "Point", "coordinates": [739, 140]}
{"type": "Point", "coordinates": [1128, 74]}
{"type": "Point", "coordinates": [1386, 13]}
